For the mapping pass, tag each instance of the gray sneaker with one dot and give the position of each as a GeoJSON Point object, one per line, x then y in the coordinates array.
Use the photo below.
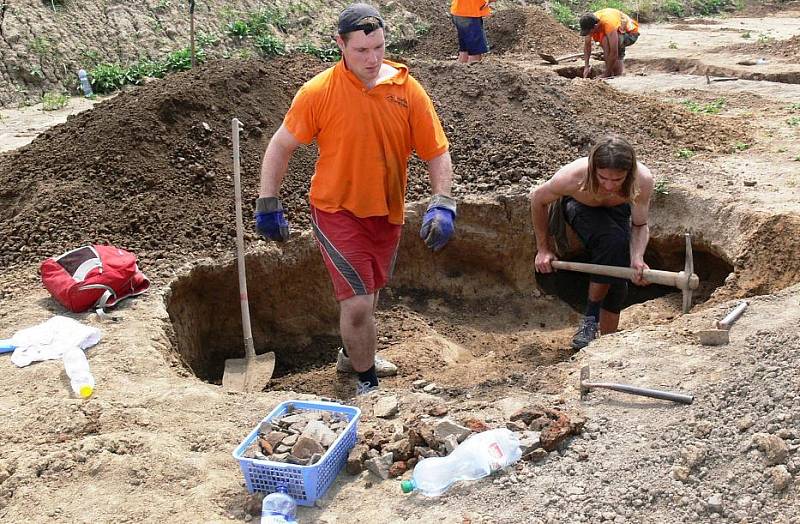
{"type": "Point", "coordinates": [586, 333]}
{"type": "Point", "coordinates": [383, 368]}
{"type": "Point", "coordinates": [364, 388]}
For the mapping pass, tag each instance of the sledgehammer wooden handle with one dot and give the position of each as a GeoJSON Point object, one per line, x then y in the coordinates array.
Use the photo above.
{"type": "Point", "coordinates": [667, 278]}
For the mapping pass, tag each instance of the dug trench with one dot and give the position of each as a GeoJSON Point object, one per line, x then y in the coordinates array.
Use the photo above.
{"type": "Point", "coordinates": [462, 318]}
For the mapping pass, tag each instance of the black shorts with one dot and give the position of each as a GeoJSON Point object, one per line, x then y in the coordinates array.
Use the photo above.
{"type": "Point", "coordinates": [625, 40]}
{"type": "Point", "coordinates": [605, 233]}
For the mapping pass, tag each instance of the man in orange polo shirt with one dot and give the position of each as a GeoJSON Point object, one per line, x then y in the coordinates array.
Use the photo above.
{"type": "Point", "coordinates": [614, 31]}
{"type": "Point", "coordinates": [468, 18]}
{"type": "Point", "coordinates": [367, 115]}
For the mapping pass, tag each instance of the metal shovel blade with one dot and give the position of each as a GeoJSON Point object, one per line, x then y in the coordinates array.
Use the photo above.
{"type": "Point", "coordinates": [548, 58]}
{"type": "Point", "coordinates": [248, 375]}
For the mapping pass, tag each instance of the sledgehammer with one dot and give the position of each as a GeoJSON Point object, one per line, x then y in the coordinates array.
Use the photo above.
{"type": "Point", "coordinates": [585, 386]}
{"type": "Point", "coordinates": [685, 280]}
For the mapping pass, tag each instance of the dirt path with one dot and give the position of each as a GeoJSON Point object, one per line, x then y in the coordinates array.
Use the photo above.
{"type": "Point", "coordinates": [154, 443]}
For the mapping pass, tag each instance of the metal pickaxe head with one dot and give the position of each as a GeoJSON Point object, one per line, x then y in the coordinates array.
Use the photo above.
{"type": "Point", "coordinates": [688, 270]}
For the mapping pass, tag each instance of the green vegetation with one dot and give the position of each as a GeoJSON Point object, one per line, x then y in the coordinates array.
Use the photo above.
{"type": "Point", "coordinates": [794, 107]}
{"type": "Point", "coordinates": [672, 45]}
{"type": "Point", "coordinates": [764, 38]}
{"type": "Point", "coordinates": [794, 121]}
{"type": "Point", "coordinates": [597, 5]}
{"type": "Point", "coordinates": [53, 101]}
{"type": "Point", "coordinates": [270, 45]}
{"type": "Point", "coordinates": [711, 108]}
{"type": "Point", "coordinates": [326, 54]}
{"type": "Point", "coordinates": [740, 146]}
{"type": "Point", "coordinates": [564, 14]}
{"type": "Point", "coordinates": [206, 40]}
{"type": "Point", "coordinates": [674, 8]}
{"type": "Point", "coordinates": [746, 34]}
{"type": "Point", "coordinates": [107, 77]}
{"type": "Point", "coordinates": [661, 187]}
{"type": "Point", "coordinates": [685, 153]}
{"type": "Point", "coordinates": [568, 11]}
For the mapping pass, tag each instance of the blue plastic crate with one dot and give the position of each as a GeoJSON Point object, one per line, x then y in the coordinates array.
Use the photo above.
{"type": "Point", "coordinates": [305, 483]}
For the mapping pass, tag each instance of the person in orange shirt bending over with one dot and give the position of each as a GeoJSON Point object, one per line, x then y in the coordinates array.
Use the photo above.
{"type": "Point", "coordinates": [468, 18]}
{"type": "Point", "coordinates": [367, 115]}
{"type": "Point", "coordinates": [614, 31]}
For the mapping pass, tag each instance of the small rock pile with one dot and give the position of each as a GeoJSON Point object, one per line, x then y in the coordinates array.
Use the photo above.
{"type": "Point", "coordinates": [390, 448]}
{"type": "Point", "coordinates": [299, 436]}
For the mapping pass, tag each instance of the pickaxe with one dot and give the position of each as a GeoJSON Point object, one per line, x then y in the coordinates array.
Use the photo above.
{"type": "Point", "coordinates": [585, 386]}
{"type": "Point", "coordinates": [684, 280]}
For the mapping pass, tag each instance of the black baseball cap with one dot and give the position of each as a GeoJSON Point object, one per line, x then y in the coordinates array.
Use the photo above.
{"type": "Point", "coordinates": [353, 19]}
{"type": "Point", "coordinates": [588, 21]}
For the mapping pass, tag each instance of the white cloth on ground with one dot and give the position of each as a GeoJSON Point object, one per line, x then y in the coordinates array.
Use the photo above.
{"type": "Point", "coordinates": [51, 339]}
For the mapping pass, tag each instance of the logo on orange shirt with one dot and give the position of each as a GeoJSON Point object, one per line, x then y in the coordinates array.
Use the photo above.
{"type": "Point", "coordinates": [397, 100]}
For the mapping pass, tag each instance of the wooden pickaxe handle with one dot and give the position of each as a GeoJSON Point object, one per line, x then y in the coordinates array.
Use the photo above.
{"type": "Point", "coordinates": [679, 280]}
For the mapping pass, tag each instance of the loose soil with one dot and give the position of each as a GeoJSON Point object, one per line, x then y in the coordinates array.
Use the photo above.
{"type": "Point", "coordinates": [149, 170]}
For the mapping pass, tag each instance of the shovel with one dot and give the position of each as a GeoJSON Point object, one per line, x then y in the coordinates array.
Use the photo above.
{"type": "Point", "coordinates": [550, 59]}
{"type": "Point", "coordinates": [252, 373]}
{"type": "Point", "coordinates": [553, 60]}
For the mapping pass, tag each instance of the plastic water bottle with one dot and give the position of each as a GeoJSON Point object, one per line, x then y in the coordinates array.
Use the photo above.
{"type": "Point", "coordinates": [80, 376]}
{"type": "Point", "coordinates": [278, 507]}
{"type": "Point", "coordinates": [478, 456]}
{"type": "Point", "coordinates": [85, 85]}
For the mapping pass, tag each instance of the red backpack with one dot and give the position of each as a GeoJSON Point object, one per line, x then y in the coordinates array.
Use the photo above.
{"type": "Point", "coordinates": [93, 276]}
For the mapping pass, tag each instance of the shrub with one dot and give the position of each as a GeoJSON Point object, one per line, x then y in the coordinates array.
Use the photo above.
{"type": "Point", "coordinates": [563, 13]}
{"type": "Point", "coordinates": [674, 8]}
{"type": "Point", "coordinates": [181, 60]}
{"type": "Point", "coordinates": [106, 78]}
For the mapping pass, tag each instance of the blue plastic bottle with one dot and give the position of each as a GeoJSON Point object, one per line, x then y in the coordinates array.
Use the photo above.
{"type": "Point", "coordinates": [85, 85]}
{"type": "Point", "coordinates": [278, 507]}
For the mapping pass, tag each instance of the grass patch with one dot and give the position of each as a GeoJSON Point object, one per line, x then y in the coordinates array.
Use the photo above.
{"type": "Point", "coordinates": [326, 54]}
{"type": "Point", "coordinates": [685, 153]}
{"type": "Point", "coordinates": [661, 187]}
{"type": "Point", "coordinates": [54, 101]}
{"type": "Point", "coordinates": [794, 121]}
{"type": "Point", "coordinates": [710, 108]}
{"type": "Point", "coordinates": [270, 45]}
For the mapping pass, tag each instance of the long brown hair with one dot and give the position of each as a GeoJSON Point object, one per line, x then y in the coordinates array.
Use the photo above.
{"type": "Point", "coordinates": [612, 152]}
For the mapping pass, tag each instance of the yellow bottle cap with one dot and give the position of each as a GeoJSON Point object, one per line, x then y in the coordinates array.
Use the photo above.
{"type": "Point", "coordinates": [86, 391]}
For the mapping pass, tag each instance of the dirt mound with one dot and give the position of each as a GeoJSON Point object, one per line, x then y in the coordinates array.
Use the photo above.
{"type": "Point", "coordinates": [532, 29]}
{"type": "Point", "coordinates": [517, 29]}
{"type": "Point", "coordinates": [789, 48]}
{"type": "Point", "coordinates": [149, 169]}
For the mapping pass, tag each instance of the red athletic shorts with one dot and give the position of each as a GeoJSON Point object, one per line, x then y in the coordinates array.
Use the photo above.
{"type": "Point", "coordinates": [358, 252]}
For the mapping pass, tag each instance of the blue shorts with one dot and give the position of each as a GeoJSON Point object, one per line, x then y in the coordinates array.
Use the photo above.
{"type": "Point", "coordinates": [471, 36]}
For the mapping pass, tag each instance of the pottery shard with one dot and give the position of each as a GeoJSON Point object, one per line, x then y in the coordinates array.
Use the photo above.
{"type": "Point", "coordinates": [305, 447]}
{"type": "Point", "coordinates": [356, 458]}
{"type": "Point", "coordinates": [401, 450]}
{"type": "Point", "coordinates": [555, 432]}
{"type": "Point", "coordinates": [476, 425]}
{"type": "Point", "coordinates": [397, 469]}
{"type": "Point", "coordinates": [320, 432]}
{"type": "Point", "coordinates": [275, 437]}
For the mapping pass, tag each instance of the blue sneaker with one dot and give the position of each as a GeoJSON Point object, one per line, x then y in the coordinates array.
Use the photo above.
{"type": "Point", "coordinates": [586, 333]}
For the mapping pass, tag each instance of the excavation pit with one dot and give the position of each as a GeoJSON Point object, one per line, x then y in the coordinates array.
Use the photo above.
{"type": "Point", "coordinates": [443, 311]}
